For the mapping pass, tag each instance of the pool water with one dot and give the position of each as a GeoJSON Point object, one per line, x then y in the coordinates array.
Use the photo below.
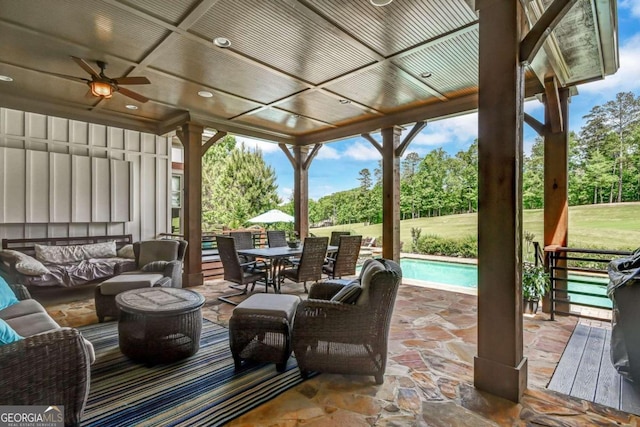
{"type": "Point", "coordinates": [466, 275]}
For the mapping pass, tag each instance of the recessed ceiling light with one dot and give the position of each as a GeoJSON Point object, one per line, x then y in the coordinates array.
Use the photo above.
{"type": "Point", "coordinates": [222, 42]}
{"type": "Point", "coordinates": [426, 74]}
{"type": "Point", "coordinates": [295, 116]}
{"type": "Point", "coordinates": [131, 107]}
{"type": "Point", "coordinates": [6, 78]}
{"type": "Point", "coordinates": [345, 101]}
{"type": "Point", "coordinates": [379, 3]}
{"type": "Point", "coordinates": [205, 94]}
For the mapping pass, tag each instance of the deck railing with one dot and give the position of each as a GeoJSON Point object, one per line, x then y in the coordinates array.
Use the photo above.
{"type": "Point", "coordinates": [579, 278]}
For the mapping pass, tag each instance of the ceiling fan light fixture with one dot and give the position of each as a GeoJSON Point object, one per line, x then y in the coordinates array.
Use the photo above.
{"type": "Point", "coordinates": [101, 89]}
{"type": "Point", "coordinates": [379, 3]}
{"type": "Point", "coordinates": [222, 42]}
{"type": "Point", "coordinates": [6, 78]}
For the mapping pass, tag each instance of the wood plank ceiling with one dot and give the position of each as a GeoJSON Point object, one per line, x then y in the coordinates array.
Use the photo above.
{"type": "Point", "coordinates": [297, 71]}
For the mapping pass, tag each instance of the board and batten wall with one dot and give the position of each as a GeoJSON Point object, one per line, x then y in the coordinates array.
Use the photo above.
{"type": "Point", "coordinates": [65, 178]}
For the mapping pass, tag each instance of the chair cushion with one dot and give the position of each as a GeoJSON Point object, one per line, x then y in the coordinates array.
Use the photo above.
{"type": "Point", "coordinates": [7, 297]}
{"type": "Point", "coordinates": [32, 324]}
{"type": "Point", "coordinates": [348, 294]}
{"type": "Point", "coordinates": [158, 250]}
{"type": "Point", "coordinates": [155, 266]}
{"type": "Point", "coordinates": [21, 308]}
{"type": "Point", "coordinates": [125, 282]}
{"type": "Point", "coordinates": [268, 305]}
{"type": "Point", "coordinates": [7, 334]}
{"type": "Point", "coordinates": [366, 275]}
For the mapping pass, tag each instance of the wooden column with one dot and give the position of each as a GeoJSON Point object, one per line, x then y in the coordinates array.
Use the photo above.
{"type": "Point", "coordinates": [191, 137]}
{"type": "Point", "coordinates": [391, 193]}
{"type": "Point", "coordinates": [301, 161]}
{"type": "Point", "coordinates": [556, 183]}
{"type": "Point", "coordinates": [500, 367]}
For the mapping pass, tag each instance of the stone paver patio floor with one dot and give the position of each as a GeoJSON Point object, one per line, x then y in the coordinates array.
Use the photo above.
{"type": "Point", "coordinates": [429, 377]}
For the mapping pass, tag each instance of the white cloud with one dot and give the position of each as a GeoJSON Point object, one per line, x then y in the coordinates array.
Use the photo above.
{"type": "Point", "coordinates": [264, 146]}
{"type": "Point", "coordinates": [285, 193]}
{"type": "Point", "coordinates": [626, 79]}
{"type": "Point", "coordinates": [328, 153]}
{"type": "Point", "coordinates": [458, 129]}
{"type": "Point", "coordinates": [362, 151]}
{"type": "Point", "coordinates": [632, 5]}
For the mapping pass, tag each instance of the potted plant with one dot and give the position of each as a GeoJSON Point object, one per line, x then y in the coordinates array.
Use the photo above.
{"type": "Point", "coordinates": [535, 284]}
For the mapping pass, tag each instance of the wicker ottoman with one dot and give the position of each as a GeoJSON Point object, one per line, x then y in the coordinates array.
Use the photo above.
{"type": "Point", "coordinates": [159, 325]}
{"type": "Point", "coordinates": [260, 329]}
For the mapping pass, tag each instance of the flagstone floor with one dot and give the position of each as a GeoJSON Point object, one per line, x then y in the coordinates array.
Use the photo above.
{"type": "Point", "coordinates": [429, 377]}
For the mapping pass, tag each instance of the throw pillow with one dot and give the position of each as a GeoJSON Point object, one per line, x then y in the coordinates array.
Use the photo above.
{"type": "Point", "coordinates": [7, 334]}
{"type": "Point", "coordinates": [24, 263]}
{"type": "Point", "coordinates": [99, 250]}
{"type": "Point", "coordinates": [349, 294]}
{"type": "Point", "coordinates": [7, 297]}
{"type": "Point", "coordinates": [126, 252]}
{"type": "Point", "coordinates": [59, 254]}
{"type": "Point", "coordinates": [155, 267]}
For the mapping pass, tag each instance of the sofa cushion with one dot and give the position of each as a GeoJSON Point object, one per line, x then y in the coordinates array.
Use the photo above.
{"type": "Point", "coordinates": [348, 294]}
{"type": "Point", "coordinates": [24, 263]}
{"type": "Point", "coordinates": [58, 254]}
{"type": "Point", "coordinates": [7, 297]}
{"type": "Point", "coordinates": [7, 334]}
{"type": "Point", "coordinates": [99, 250]}
{"type": "Point", "coordinates": [32, 324]}
{"type": "Point", "coordinates": [21, 308]}
{"type": "Point", "coordinates": [126, 282]}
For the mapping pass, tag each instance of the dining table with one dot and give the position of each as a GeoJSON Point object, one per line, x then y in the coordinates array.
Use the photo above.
{"type": "Point", "coordinates": [277, 258]}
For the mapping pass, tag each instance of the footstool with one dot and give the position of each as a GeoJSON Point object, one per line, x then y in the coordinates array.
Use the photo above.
{"type": "Point", "coordinates": [105, 293]}
{"type": "Point", "coordinates": [260, 329]}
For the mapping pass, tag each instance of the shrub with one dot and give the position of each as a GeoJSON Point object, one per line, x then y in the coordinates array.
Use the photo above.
{"type": "Point", "coordinates": [535, 282]}
{"type": "Point", "coordinates": [432, 244]}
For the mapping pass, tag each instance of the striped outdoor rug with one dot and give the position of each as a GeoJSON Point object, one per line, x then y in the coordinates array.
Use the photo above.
{"type": "Point", "coordinates": [202, 390]}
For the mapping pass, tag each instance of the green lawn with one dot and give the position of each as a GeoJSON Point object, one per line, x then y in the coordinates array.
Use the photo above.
{"type": "Point", "coordinates": [609, 226]}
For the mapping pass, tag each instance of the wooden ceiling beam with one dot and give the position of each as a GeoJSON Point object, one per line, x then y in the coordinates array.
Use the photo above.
{"type": "Point", "coordinates": [537, 35]}
{"type": "Point", "coordinates": [373, 142]}
{"type": "Point", "coordinates": [552, 104]}
{"type": "Point", "coordinates": [417, 128]}
{"type": "Point", "coordinates": [290, 156]}
{"type": "Point", "coordinates": [535, 124]}
{"type": "Point", "coordinates": [215, 138]}
{"type": "Point", "coordinates": [314, 152]}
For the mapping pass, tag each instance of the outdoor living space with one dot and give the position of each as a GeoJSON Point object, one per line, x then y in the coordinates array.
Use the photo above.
{"type": "Point", "coordinates": [429, 377]}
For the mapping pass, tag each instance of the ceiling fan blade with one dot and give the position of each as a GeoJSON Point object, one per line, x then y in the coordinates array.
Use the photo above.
{"type": "Point", "coordinates": [82, 63]}
{"type": "Point", "coordinates": [132, 81]}
{"type": "Point", "coordinates": [68, 77]}
{"type": "Point", "coordinates": [132, 94]}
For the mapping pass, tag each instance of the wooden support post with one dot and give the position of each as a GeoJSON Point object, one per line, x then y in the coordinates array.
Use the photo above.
{"type": "Point", "coordinates": [391, 193]}
{"type": "Point", "coordinates": [500, 367]}
{"type": "Point", "coordinates": [191, 137]}
{"type": "Point", "coordinates": [301, 161]}
{"type": "Point", "coordinates": [556, 185]}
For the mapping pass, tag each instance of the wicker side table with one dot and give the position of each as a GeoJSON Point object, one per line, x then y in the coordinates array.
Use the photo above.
{"type": "Point", "coordinates": [260, 329]}
{"type": "Point", "coordinates": [159, 325]}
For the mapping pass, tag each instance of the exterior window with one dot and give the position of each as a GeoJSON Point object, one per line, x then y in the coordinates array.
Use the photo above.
{"type": "Point", "coordinates": [176, 191]}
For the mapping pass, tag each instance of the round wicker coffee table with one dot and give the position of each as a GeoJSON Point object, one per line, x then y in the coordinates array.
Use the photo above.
{"type": "Point", "coordinates": [159, 325]}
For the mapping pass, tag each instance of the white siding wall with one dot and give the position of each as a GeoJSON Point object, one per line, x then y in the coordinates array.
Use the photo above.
{"type": "Point", "coordinates": [40, 197]}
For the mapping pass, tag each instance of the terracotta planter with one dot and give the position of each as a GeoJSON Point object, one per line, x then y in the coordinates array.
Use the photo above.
{"type": "Point", "coordinates": [530, 306]}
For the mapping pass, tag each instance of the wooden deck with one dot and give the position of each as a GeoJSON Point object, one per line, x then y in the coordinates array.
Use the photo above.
{"type": "Point", "coordinates": [585, 371]}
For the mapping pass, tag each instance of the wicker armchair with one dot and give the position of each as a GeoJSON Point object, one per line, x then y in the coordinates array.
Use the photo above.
{"type": "Point", "coordinates": [48, 368]}
{"type": "Point", "coordinates": [236, 271]}
{"type": "Point", "coordinates": [335, 337]}
{"type": "Point", "coordinates": [345, 260]}
{"type": "Point", "coordinates": [276, 238]}
{"type": "Point", "coordinates": [310, 266]}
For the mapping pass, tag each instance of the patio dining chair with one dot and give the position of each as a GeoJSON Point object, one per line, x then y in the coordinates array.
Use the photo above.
{"type": "Point", "coordinates": [335, 237]}
{"type": "Point", "coordinates": [236, 271]}
{"type": "Point", "coordinates": [346, 258]}
{"type": "Point", "coordinates": [310, 266]}
{"type": "Point", "coordinates": [276, 238]}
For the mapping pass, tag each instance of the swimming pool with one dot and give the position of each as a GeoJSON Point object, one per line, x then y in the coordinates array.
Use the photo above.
{"type": "Point", "coordinates": [466, 275]}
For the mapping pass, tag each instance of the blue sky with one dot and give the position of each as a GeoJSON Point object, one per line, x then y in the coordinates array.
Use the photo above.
{"type": "Point", "coordinates": [337, 164]}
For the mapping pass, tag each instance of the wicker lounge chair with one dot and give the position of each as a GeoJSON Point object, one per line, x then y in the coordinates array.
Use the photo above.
{"type": "Point", "coordinates": [344, 262]}
{"type": "Point", "coordinates": [235, 271]}
{"type": "Point", "coordinates": [309, 268]}
{"type": "Point", "coordinates": [342, 338]}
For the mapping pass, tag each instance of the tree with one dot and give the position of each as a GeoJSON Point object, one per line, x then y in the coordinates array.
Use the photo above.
{"type": "Point", "coordinates": [533, 177]}
{"type": "Point", "coordinates": [237, 184]}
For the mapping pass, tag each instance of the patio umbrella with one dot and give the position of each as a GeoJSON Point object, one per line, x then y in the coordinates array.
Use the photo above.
{"type": "Point", "coordinates": [274, 215]}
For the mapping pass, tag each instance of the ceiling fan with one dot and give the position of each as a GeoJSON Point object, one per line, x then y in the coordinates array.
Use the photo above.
{"type": "Point", "coordinates": [102, 86]}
